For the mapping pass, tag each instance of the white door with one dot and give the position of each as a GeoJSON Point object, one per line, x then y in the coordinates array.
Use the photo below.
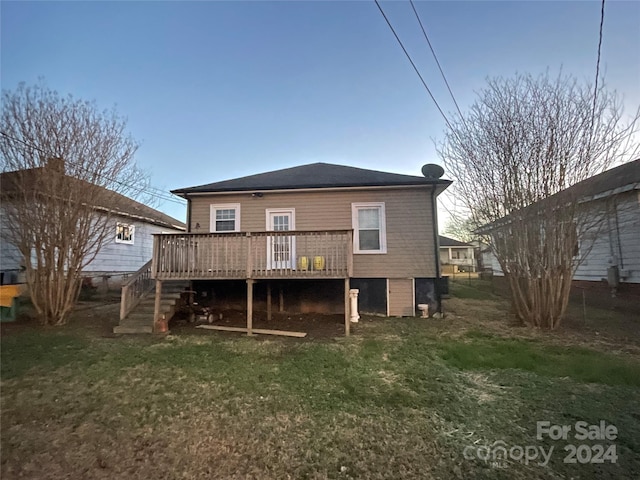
{"type": "Point", "coordinates": [281, 249]}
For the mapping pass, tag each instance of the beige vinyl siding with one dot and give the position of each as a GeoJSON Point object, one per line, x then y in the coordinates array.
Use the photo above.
{"type": "Point", "coordinates": [410, 250]}
{"type": "Point", "coordinates": [401, 297]}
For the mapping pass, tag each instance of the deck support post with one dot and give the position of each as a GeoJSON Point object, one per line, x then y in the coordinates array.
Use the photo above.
{"type": "Point", "coordinates": [347, 324]}
{"type": "Point", "coordinates": [268, 301]}
{"type": "Point", "coordinates": [156, 307]}
{"type": "Point", "coordinates": [281, 294]}
{"type": "Point", "coordinates": [250, 307]}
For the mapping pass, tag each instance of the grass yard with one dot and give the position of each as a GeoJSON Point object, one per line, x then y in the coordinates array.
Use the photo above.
{"type": "Point", "coordinates": [401, 398]}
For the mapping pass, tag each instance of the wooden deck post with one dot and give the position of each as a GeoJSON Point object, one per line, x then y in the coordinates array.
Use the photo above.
{"type": "Point", "coordinates": [268, 301]}
{"type": "Point", "coordinates": [250, 307]}
{"type": "Point", "coordinates": [156, 308]}
{"type": "Point", "coordinates": [249, 255]}
{"type": "Point", "coordinates": [124, 301]}
{"type": "Point", "coordinates": [347, 325]}
{"type": "Point", "coordinates": [281, 309]}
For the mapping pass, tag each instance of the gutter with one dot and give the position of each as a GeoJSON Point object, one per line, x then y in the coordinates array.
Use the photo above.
{"type": "Point", "coordinates": [188, 214]}
{"type": "Point", "coordinates": [442, 183]}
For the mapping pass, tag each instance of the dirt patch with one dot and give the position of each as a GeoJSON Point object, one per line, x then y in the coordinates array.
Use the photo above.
{"type": "Point", "coordinates": [602, 329]}
{"type": "Point", "coordinates": [93, 318]}
{"type": "Point", "coordinates": [315, 325]}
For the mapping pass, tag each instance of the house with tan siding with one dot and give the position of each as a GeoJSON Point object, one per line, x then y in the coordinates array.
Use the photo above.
{"type": "Point", "coordinates": [308, 235]}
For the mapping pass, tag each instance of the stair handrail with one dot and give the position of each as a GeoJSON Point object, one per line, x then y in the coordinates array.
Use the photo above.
{"type": "Point", "coordinates": [136, 286]}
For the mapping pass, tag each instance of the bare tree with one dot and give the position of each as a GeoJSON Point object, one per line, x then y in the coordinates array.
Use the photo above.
{"type": "Point", "coordinates": [523, 143]}
{"type": "Point", "coordinates": [462, 228]}
{"type": "Point", "coordinates": [66, 165]}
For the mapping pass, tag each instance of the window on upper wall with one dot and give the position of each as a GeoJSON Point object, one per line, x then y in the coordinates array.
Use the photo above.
{"type": "Point", "coordinates": [124, 233]}
{"type": "Point", "coordinates": [225, 218]}
{"type": "Point", "coordinates": [369, 228]}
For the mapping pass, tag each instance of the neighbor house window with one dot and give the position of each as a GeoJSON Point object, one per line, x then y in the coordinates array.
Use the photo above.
{"type": "Point", "coordinates": [369, 230]}
{"type": "Point", "coordinates": [124, 233]}
{"type": "Point", "coordinates": [225, 218]}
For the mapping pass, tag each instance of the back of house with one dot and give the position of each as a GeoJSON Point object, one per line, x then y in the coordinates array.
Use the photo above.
{"type": "Point", "coordinates": [388, 220]}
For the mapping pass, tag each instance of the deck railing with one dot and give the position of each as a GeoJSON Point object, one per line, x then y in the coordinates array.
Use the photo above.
{"type": "Point", "coordinates": [282, 254]}
{"type": "Point", "coordinates": [135, 288]}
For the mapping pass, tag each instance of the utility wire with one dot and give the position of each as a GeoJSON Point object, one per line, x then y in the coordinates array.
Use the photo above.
{"type": "Point", "coordinates": [595, 88]}
{"type": "Point", "coordinates": [413, 65]}
{"type": "Point", "coordinates": [148, 190]}
{"type": "Point", "coordinates": [424, 32]}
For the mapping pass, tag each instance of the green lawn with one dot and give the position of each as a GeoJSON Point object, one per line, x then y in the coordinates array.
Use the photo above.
{"type": "Point", "coordinates": [401, 398]}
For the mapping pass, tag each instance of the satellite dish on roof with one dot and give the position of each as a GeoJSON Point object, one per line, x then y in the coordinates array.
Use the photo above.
{"type": "Point", "coordinates": [432, 171]}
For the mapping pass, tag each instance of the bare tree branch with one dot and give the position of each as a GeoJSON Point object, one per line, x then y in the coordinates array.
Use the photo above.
{"type": "Point", "coordinates": [66, 165]}
{"type": "Point", "coordinates": [522, 144]}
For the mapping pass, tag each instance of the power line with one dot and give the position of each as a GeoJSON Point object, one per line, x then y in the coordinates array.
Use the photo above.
{"type": "Point", "coordinates": [148, 190]}
{"type": "Point", "coordinates": [424, 32]}
{"type": "Point", "coordinates": [595, 88]}
{"type": "Point", "coordinates": [413, 65]}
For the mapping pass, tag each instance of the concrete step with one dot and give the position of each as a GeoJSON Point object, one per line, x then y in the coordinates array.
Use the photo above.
{"type": "Point", "coordinates": [138, 317]}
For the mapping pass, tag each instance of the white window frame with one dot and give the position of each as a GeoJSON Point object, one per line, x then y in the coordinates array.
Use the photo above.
{"type": "Point", "coordinates": [271, 264]}
{"type": "Point", "coordinates": [132, 233]}
{"type": "Point", "coordinates": [355, 207]}
{"type": "Point", "coordinates": [224, 206]}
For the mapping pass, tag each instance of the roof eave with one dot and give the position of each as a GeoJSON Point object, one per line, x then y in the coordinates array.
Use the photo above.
{"type": "Point", "coordinates": [185, 192]}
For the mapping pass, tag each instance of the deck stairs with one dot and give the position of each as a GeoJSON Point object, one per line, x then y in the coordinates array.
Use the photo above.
{"type": "Point", "coordinates": [140, 319]}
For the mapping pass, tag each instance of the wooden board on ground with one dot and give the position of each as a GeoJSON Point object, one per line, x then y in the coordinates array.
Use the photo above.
{"type": "Point", "coordinates": [262, 331]}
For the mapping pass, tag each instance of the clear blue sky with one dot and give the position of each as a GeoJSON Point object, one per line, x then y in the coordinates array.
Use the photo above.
{"type": "Point", "coordinates": [218, 90]}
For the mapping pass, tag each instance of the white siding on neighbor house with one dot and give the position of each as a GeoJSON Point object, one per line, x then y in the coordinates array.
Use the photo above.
{"type": "Point", "coordinates": [123, 257]}
{"type": "Point", "coordinates": [489, 260]}
{"type": "Point", "coordinates": [112, 257]}
{"type": "Point", "coordinates": [617, 242]}
{"type": "Point", "coordinates": [10, 257]}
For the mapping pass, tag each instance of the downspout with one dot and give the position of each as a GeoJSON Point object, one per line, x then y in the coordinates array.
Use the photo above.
{"type": "Point", "coordinates": [615, 210]}
{"type": "Point", "coordinates": [436, 247]}
{"type": "Point", "coordinates": [188, 215]}
{"type": "Point", "coordinates": [191, 285]}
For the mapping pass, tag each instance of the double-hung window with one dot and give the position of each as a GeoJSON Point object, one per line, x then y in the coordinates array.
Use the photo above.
{"type": "Point", "coordinates": [369, 228]}
{"type": "Point", "coordinates": [124, 233]}
{"type": "Point", "coordinates": [225, 217]}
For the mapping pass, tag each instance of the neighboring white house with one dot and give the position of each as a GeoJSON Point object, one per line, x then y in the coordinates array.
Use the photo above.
{"type": "Point", "coordinates": [613, 251]}
{"type": "Point", "coordinates": [128, 249]}
{"type": "Point", "coordinates": [456, 256]}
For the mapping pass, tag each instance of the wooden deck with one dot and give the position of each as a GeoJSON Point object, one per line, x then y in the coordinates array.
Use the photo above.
{"type": "Point", "coordinates": [253, 255]}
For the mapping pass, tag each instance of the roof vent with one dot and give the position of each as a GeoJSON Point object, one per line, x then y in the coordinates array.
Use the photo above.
{"type": "Point", "coordinates": [432, 171]}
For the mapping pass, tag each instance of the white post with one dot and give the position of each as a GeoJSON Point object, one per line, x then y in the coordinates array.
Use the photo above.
{"type": "Point", "coordinates": [353, 300]}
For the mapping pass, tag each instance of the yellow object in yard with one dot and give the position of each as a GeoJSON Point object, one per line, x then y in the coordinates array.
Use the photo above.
{"type": "Point", "coordinates": [318, 263]}
{"type": "Point", "coordinates": [8, 293]}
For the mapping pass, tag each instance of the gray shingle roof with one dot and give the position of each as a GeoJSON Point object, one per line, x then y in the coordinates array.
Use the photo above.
{"type": "Point", "coordinates": [612, 179]}
{"type": "Point", "coordinates": [314, 175]}
{"type": "Point", "coordinates": [450, 242]}
{"type": "Point", "coordinates": [115, 202]}
{"type": "Point", "coordinates": [616, 180]}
